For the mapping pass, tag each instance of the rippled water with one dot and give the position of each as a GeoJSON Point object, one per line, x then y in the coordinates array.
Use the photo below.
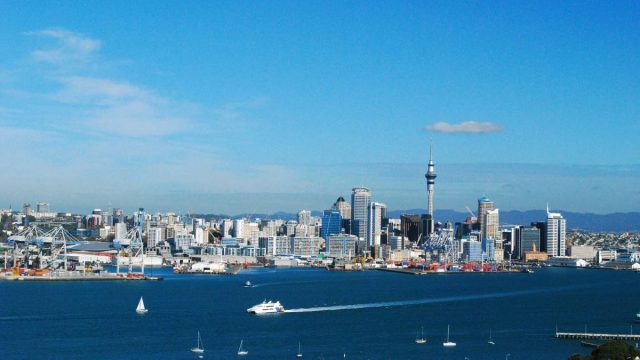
{"type": "Point", "coordinates": [357, 315]}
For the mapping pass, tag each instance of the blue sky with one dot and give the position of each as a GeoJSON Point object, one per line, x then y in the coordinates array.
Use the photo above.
{"type": "Point", "coordinates": [259, 106]}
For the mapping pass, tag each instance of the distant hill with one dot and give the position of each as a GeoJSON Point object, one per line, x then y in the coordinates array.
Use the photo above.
{"type": "Point", "coordinates": [615, 222]}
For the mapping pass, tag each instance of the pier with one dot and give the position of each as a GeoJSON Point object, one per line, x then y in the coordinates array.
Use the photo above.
{"type": "Point", "coordinates": [596, 336]}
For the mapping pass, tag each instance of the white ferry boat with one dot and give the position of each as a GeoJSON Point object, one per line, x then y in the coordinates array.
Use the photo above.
{"type": "Point", "coordinates": [266, 307]}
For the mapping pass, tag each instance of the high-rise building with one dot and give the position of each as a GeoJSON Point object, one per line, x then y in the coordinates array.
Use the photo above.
{"type": "Point", "coordinates": [491, 224]}
{"type": "Point", "coordinates": [331, 223]}
{"type": "Point", "coordinates": [484, 205]}
{"type": "Point", "coordinates": [431, 185]}
{"type": "Point", "coordinates": [341, 246]}
{"type": "Point", "coordinates": [529, 240]}
{"type": "Point", "coordinates": [360, 199]}
{"type": "Point", "coordinates": [26, 209]}
{"type": "Point", "coordinates": [556, 234]}
{"type": "Point", "coordinates": [42, 207]}
{"type": "Point", "coordinates": [410, 228]}
{"type": "Point", "coordinates": [344, 208]}
{"type": "Point", "coordinates": [375, 213]}
{"type": "Point", "coordinates": [304, 217]}
{"type": "Point", "coordinates": [154, 236]}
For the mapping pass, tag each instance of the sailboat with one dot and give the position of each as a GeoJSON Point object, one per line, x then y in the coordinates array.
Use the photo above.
{"type": "Point", "coordinates": [199, 349]}
{"type": "Point", "coordinates": [299, 355]}
{"type": "Point", "coordinates": [490, 342]}
{"type": "Point", "coordinates": [421, 339]}
{"type": "Point", "coordinates": [141, 309]}
{"type": "Point", "coordinates": [241, 351]}
{"type": "Point", "coordinates": [448, 343]}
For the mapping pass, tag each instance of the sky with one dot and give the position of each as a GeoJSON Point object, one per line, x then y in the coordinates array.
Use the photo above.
{"type": "Point", "coordinates": [265, 106]}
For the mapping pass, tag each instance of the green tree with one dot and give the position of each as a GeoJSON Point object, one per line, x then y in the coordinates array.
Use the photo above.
{"type": "Point", "coordinates": [611, 350]}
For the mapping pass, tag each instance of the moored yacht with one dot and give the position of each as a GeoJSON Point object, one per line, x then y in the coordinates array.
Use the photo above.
{"type": "Point", "coordinates": [266, 307]}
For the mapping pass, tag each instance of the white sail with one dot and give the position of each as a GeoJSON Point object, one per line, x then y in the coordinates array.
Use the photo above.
{"type": "Point", "coordinates": [241, 351]}
{"type": "Point", "coordinates": [141, 309]}
{"type": "Point", "coordinates": [199, 348]}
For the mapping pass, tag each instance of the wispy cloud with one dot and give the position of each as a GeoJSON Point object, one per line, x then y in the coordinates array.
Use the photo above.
{"type": "Point", "coordinates": [70, 46]}
{"type": "Point", "coordinates": [122, 108]}
{"type": "Point", "coordinates": [464, 127]}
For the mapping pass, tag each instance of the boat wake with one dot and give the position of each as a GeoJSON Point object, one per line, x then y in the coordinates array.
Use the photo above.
{"type": "Point", "coordinates": [423, 301]}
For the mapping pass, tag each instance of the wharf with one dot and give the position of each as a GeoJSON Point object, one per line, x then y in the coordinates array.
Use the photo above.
{"type": "Point", "coordinates": [79, 277]}
{"type": "Point", "coordinates": [596, 336]}
{"type": "Point", "coordinates": [432, 272]}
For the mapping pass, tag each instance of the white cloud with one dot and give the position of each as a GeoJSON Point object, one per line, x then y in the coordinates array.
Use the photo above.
{"type": "Point", "coordinates": [70, 46]}
{"type": "Point", "coordinates": [464, 127]}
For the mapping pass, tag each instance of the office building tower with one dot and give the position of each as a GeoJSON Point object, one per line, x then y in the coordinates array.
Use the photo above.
{"type": "Point", "coordinates": [471, 250]}
{"type": "Point", "coordinates": [360, 199]}
{"type": "Point", "coordinates": [556, 234]}
{"type": "Point", "coordinates": [154, 236]}
{"type": "Point", "coordinates": [344, 208]}
{"type": "Point", "coordinates": [491, 224]}
{"type": "Point", "coordinates": [374, 223]}
{"type": "Point", "coordinates": [484, 205]}
{"type": "Point", "coordinates": [304, 217]}
{"type": "Point", "coordinates": [331, 223]}
{"type": "Point", "coordinates": [529, 240]}
{"type": "Point", "coordinates": [341, 246]}
{"type": "Point", "coordinates": [42, 207]}
{"type": "Point", "coordinates": [431, 186]}
{"type": "Point", "coordinates": [26, 209]}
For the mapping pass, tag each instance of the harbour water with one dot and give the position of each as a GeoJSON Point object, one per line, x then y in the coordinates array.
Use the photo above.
{"type": "Point", "coordinates": [357, 315]}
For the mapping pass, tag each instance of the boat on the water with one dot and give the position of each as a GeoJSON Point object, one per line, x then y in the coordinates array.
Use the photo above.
{"type": "Point", "coordinates": [490, 342]}
{"type": "Point", "coordinates": [448, 343]}
{"type": "Point", "coordinates": [241, 351]}
{"type": "Point", "coordinates": [421, 339]}
{"type": "Point", "coordinates": [266, 307]}
{"type": "Point", "coordinates": [141, 309]}
{"type": "Point", "coordinates": [199, 349]}
{"type": "Point", "coordinates": [248, 284]}
{"type": "Point", "coordinates": [299, 354]}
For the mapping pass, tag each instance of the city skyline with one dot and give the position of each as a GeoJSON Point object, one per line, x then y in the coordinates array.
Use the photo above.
{"type": "Point", "coordinates": [247, 107]}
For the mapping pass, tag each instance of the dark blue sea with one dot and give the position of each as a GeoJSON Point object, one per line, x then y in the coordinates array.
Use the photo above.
{"type": "Point", "coordinates": [335, 315]}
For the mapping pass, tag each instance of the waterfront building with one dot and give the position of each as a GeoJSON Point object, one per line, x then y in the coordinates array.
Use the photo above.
{"type": "Point", "coordinates": [375, 215]}
{"type": "Point", "coordinates": [306, 245]}
{"type": "Point", "coordinates": [275, 245]}
{"type": "Point", "coordinates": [488, 248]}
{"type": "Point", "coordinates": [410, 228]}
{"type": "Point", "coordinates": [586, 252]}
{"type": "Point", "coordinates": [606, 255]}
{"type": "Point", "coordinates": [534, 255]}
{"type": "Point", "coordinates": [431, 184]}
{"type": "Point", "coordinates": [529, 240]}
{"type": "Point", "coordinates": [331, 223]}
{"type": "Point", "coordinates": [542, 226]}
{"type": "Point", "coordinates": [42, 207]}
{"type": "Point", "coordinates": [556, 227]}
{"type": "Point", "coordinates": [471, 250]}
{"type": "Point", "coordinates": [183, 241]}
{"type": "Point", "coordinates": [484, 205]}
{"type": "Point", "coordinates": [341, 246]}
{"type": "Point", "coordinates": [360, 199]}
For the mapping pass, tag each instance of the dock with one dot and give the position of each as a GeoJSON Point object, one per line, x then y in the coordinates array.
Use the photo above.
{"type": "Point", "coordinates": [596, 336]}
{"type": "Point", "coordinates": [79, 276]}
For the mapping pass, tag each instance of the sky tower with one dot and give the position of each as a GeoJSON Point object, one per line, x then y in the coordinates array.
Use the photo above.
{"type": "Point", "coordinates": [431, 184]}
